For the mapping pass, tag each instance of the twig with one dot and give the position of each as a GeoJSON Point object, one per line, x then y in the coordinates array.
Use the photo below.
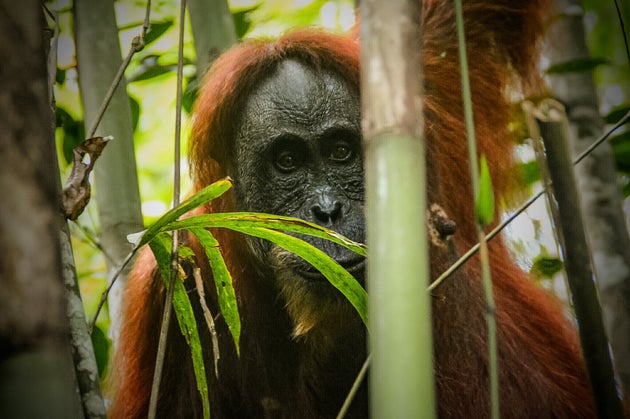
{"type": "Point", "coordinates": [209, 319]}
{"type": "Point", "coordinates": [603, 138]}
{"type": "Point", "coordinates": [623, 30]}
{"type": "Point", "coordinates": [473, 250]}
{"type": "Point", "coordinates": [474, 174]}
{"type": "Point", "coordinates": [88, 237]}
{"type": "Point", "coordinates": [355, 388]}
{"type": "Point", "coordinates": [109, 287]}
{"type": "Point", "coordinates": [137, 44]}
{"type": "Point", "coordinates": [161, 351]}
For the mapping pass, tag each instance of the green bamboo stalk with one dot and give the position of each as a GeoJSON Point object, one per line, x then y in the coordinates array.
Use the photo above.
{"type": "Point", "coordinates": [399, 311]}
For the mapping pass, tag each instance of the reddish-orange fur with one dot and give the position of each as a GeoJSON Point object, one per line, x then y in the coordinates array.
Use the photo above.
{"type": "Point", "coordinates": [541, 370]}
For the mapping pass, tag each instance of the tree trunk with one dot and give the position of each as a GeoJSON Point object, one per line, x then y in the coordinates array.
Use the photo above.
{"type": "Point", "coordinates": [118, 196]}
{"type": "Point", "coordinates": [597, 182]}
{"type": "Point", "coordinates": [36, 377]}
{"type": "Point", "coordinates": [213, 31]}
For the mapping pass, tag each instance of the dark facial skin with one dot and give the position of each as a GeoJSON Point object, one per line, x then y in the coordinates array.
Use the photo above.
{"type": "Point", "coordinates": [298, 153]}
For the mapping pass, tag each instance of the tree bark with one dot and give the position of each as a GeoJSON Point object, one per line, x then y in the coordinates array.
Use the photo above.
{"type": "Point", "coordinates": [577, 262]}
{"type": "Point", "coordinates": [36, 378]}
{"type": "Point", "coordinates": [597, 181]}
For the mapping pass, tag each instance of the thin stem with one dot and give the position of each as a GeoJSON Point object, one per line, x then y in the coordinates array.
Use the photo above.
{"type": "Point", "coordinates": [137, 44]}
{"type": "Point", "coordinates": [166, 317]}
{"type": "Point", "coordinates": [474, 174]}
{"type": "Point", "coordinates": [108, 289]}
{"type": "Point", "coordinates": [601, 139]}
{"type": "Point", "coordinates": [473, 250]}
{"type": "Point", "coordinates": [467, 98]}
{"type": "Point", "coordinates": [355, 388]}
{"type": "Point", "coordinates": [623, 30]}
{"type": "Point", "coordinates": [491, 320]}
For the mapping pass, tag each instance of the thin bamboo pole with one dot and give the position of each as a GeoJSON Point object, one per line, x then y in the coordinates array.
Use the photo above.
{"type": "Point", "coordinates": [401, 381]}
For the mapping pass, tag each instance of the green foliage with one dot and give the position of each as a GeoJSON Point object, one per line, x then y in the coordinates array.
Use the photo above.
{"type": "Point", "coordinates": [60, 76]}
{"type": "Point", "coordinates": [616, 114]}
{"type": "Point", "coordinates": [190, 93]}
{"type": "Point", "coordinates": [546, 266]}
{"type": "Point", "coordinates": [156, 30]}
{"type": "Point", "coordinates": [621, 148]}
{"type": "Point", "coordinates": [264, 226]}
{"type": "Point", "coordinates": [101, 344]}
{"type": "Point", "coordinates": [152, 66]}
{"type": "Point", "coordinates": [134, 105]}
{"type": "Point", "coordinates": [485, 199]}
{"type": "Point", "coordinates": [250, 220]}
{"type": "Point", "coordinates": [207, 194]}
{"type": "Point", "coordinates": [222, 281]}
{"type": "Point", "coordinates": [577, 66]}
{"type": "Point", "coordinates": [334, 273]}
{"type": "Point", "coordinates": [605, 39]}
{"type": "Point", "coordinates": [259, 225]}
{"type": "Point", "coordinates": [72, 134]}
{"type": "Point", "coordinates": [529, 173]}
{"type": "Point", "coordinates": [243, 19]}
{"type": "Point", "coordinates": [184, 314]}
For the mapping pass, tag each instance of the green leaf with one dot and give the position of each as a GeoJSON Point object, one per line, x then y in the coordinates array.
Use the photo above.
{"type": "Point", "coordinates": [156, 30]}
{"type": "Point", "coordinates": [135, 111]}
{"type": "Point", "coordinates": [242, 19]}
{"type": "Point", "coordinates": [616, 114]}
{"type": "Point", "coordinates": [223, 283]}
{"type": "Point", "coordinates": [485, 199]}
{"type": "Point", "coordinates": [620, 144]}
{"type": "Point", "coordinates": [185, 252]}
{"type": "Point", "coordinates": [264, 226]}
{"type": "Point", "coordinates": [243, 220]}
{"type": "Point", "coordinates": [146, 72]}
{"type": "Point", "coordinates": [546, 266]}
{"type": "Point", "coordinates": [578, 65]}
{"type": "Point", "coordinates": [334, 273]}
{"type": "Point", "coordinates": [530, 172]}
{"type": "Point", "coordinates": [60, 76]}
{"type": "Point", "coordinates": [73, 132]}
{"type": "Point", "coordinates": [190, 94]}
{"type": "Point", "coordinates": [205, 195]}
{"type": "Point", "coordinates": [101, 345]}
{"type": "Point", "coordinates": [184, 314]}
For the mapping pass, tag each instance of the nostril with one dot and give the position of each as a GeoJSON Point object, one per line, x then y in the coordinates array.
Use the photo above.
{"type": "Point", "coordinates": [326, 214]}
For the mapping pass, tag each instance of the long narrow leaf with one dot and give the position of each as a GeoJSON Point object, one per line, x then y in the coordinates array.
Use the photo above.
{"type": "Point", "coordinates": [207, 194]}
{"type": "Point", "coordinates": [185, 316]}
{"type": "Point", "coordinates": [273, 222]}
{"type": "Point", "coordinates": [334, 273]}
{"type": "Point", "coordinates": [485, 199]}
{"type": "Point", "coordinates": [222, 281]}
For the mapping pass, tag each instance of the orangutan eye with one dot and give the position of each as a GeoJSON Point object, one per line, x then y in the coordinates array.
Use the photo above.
{"type": "Point", "coordinates": [340, 153]}
{"type": "Point", "coordinates": [287, 161]}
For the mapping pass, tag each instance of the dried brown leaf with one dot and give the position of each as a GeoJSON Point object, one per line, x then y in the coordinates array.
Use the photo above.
{"type": "Point", "coordinates": [76, 193]}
